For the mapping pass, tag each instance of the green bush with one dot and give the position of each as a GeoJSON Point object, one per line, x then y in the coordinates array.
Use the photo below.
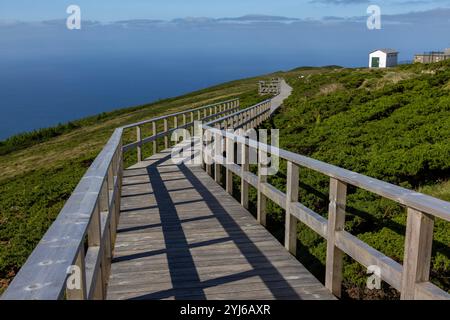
{"type": "Point", "coordinates": [396, 132]}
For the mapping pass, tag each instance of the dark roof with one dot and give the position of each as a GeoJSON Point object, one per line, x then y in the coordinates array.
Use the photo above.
{"type": "Point", "coordinates": [386, 50]}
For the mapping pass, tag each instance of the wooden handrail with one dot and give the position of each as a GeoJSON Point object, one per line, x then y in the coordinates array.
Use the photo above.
{"type": "Point", "coordinates": [411, 278]}
{"type": "Point", "coordinates": [210, 106]}
{"type": "Point", "coordinates": [270, 87]}
{"type": "Point", "coordinates": [82, 237]}
{"type": "Point", "coordinates": [91, 212]}
{"type": "Point", "coordinates": [167, 132]}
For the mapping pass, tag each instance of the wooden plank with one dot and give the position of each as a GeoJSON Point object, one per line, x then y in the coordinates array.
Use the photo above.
{"type": "Point", "coordinates": [139, 141]}
{"type": "Point", "coordinates": [428, 291]}
{"type": "Point", "coordinates": [93, 273]}
{"type": "Point", "coordinates": [336, 221]}
{"type": "Point", "coordinates": [198, 244]}
{"type": "Point", "coordinates": [217, 152]}
{"type": "Point", "coordinates": [274, 194]}
{"type": "Point", "coordinates": [166, 131]}
{"type": "Point", "coordinates": [261, 198]}
{"type": "Point", "coordinates": [390, 270]}
{"type": "Point", "coordinates": [290, 240]}
{"type": "Point", "coordinates": [76, 288]}
{"type": "Point", "coordinates": [229, 145]}
{"type": "Point", "coordinates": [245, 166]}
{"type": "Point", "coordinates": [311, 219]}
{"type": "Point", "coordinates": [418, 245]}
{"type": "Point", "coordinates": [155, 132]}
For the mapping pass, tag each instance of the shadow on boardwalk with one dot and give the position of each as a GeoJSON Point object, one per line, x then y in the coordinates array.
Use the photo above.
{"type": "Point", "coordinates": [211, 248]}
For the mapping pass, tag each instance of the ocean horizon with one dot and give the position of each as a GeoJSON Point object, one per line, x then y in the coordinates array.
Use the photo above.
{"type": "Point", "coordinates": [51, 75]}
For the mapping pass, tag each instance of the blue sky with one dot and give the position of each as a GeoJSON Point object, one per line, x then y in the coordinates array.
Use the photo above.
{"type": "Point", "coordinates": [112, 10]}
{"type": "Point", "coordinates": [103, 66]}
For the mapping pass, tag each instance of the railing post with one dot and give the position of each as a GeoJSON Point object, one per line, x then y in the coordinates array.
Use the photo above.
{"type": "Point", "coordinates": [155, 145]}
{"type": "Point", "coordinates": [192, 124]}
{"type": "Point", "coordinates": [79, 294]}
{"type": "Point", "coordinates": [217, 153]}
{"type": "Point", "coordinates": [229, 160]}
{"type": "Point", "coordinates": [119, 178]}
{"type": "Point", "coordinates": [244, 168]}
{"type": "Point", "coordinates": [201, 132]}
{"type": "Point", "coordinates": [207, 152]}
{"type": "Point", "coordinates": [166, 133]}
{"type": "Point", "coordinates": [418, 246]}
{"type": "Point", "coordinates": [175, 123]}
{"type": "Point", "coordinates": [104, 246]}
{"type": "Point", "coordinates": [336, 222]}
{"type": "Point", "coordinates": [95, 240]}
{"type": "Point", "coordinates": [94, 231]}
{"type": "Point", "coordinates": [245, 119]}
{"type": "Point", "coordinates": [139, 140]}
{"type": "Point", "coordinates": [117, 194]}
{"type": "Point", "coordinates": [262, 178]}
{"type": "Point", "coordinates": [290, 235]}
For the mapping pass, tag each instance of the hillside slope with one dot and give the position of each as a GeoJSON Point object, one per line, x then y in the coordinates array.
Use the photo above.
{"type": "Point", "coordinates": [391, 124]}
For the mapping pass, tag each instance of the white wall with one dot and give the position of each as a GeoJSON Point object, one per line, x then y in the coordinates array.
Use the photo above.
{"type": "Point", "coordinates": [378, 54]}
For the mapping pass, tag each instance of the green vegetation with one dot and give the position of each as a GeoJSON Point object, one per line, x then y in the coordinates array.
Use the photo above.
{"type": "Point", "coordinates": [391, 124]}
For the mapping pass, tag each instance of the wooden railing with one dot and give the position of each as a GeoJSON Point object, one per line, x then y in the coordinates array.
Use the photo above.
{"type": "Point", "coordinates": [270, 87]}
{"type": "Point", "coordinates": [84, 232]}
{"type": "Point", "coordinates": [411, 278]}
{"type": "Point", "coordinates": [83, 235]}
{"type": "Point", "coordinates": [79, 244]}
{"type": "Point", "coordinates": [180, 120]}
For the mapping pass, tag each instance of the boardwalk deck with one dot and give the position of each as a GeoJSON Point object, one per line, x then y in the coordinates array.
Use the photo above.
{"type": "Point", "coordinates": [285, 92]}
{"type": "Point", "coordinates": [181, 236]}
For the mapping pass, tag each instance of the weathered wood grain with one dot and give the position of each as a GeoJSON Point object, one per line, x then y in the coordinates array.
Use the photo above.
{"type": "Point", "coordinates": [189, 239]}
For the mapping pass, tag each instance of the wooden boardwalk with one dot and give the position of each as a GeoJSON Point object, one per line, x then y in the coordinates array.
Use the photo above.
{"type": "Point", "coordinates": [181, 236]}
{"type": "Point", "coordinates": [162, 231]}
{"type": "Point", "coordinates": [285, 92]}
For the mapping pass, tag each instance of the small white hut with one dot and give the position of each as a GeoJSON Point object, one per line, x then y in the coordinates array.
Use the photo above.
{"type": "Point", "coordinates": [383, 58]}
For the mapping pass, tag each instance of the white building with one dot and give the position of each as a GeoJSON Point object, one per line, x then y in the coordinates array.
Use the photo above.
{"type": "Point", "coordinates": [383, 58]}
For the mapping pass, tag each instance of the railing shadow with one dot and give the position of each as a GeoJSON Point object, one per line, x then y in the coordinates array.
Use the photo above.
{"type": "Point", "coordinates": [185, 278]}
